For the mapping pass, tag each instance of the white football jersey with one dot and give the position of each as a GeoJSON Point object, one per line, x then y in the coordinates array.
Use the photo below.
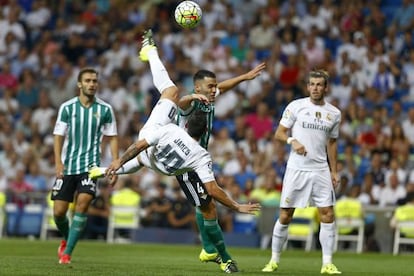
{"type": "Point", "coordinates": [174, 152]}
{"type": "Point", "coordinates": [312, 125]}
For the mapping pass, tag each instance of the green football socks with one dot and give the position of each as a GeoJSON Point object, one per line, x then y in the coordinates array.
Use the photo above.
{"type": "Point", "coordinates": [205, 239]}
{"type": "Point", "coordinates": [62, 224]}
{"type": "Point", "coordinates": [75, 231]}
{"type": "Point", "coordinates": [215, 235]}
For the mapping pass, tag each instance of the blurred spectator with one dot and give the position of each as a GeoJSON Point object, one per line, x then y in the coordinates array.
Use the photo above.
{"type": "Point", "coordinates": [8, 104]}
{"type": "Point", "coordinates": [156, 208]}
{"type": "Point", "coordinates": [369, 194]}
{"type": "Point", "coordinates": [28, 92]}
{"type": "Point", "coordinates": [43, 114]}
{"type": "Point", "coordinates": [262, 37]}
{"type": "Point", "coordinates": [260, 121]}
{"type": "Point", "coordinates": [267, 190]}
{"type": "Point", "coordinates": [181, 214]}
{"type": "Point", "coordinates": [384, 81]}
{"type": "Point", "coordinates": [220, 145]}
{"type": "Point", "coordinates": [8, 81]}
{"type": "Point", "coordinates": [403, 17]}
{"type": "Point", "coordinates": [35, 179]}
{"type": "Point", "coordinates": [19, 190]}
{"type": "Point", "coordinates": [390, 194]}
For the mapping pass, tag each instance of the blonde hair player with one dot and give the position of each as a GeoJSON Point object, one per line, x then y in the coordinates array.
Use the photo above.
{"type": "Point", "coordinates": [310, 179]}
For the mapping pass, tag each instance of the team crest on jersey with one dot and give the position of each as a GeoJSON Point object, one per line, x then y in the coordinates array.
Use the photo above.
{"type": "Point", "coordinates": [286, 114]}
{"type": "Point", "coordinates": [97, 115]}
{"type": "Point", "coordinates": [329, 117]}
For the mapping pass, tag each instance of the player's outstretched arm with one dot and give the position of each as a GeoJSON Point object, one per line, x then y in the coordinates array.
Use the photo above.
{"type": "Point", "coordinates": [230, 83]}
{"type": "Point", "coordinates": [186, 100]}
{"type": "Point", "coordinates": [130, 153]}
{"type": "Point", "coordinates": [218, 194]}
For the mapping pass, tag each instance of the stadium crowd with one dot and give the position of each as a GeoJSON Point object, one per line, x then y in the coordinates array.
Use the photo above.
{"type": "Point", "coordinates": [366, 46]}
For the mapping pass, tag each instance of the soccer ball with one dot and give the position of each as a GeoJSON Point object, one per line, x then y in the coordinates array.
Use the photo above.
{"type": "Point", "coordinates": [188, 14]}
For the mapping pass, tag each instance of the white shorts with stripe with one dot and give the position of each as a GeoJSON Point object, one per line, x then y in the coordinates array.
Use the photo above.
{"type": "Point", "coordinates": [162, 114]}
{"type": "Point", "coordinates": [307, 188]}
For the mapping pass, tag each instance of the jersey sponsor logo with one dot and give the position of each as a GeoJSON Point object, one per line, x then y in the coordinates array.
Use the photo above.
{"type": "Point", "coordinates": [318, 115]}
{"type": "Point", "coordinates": [88, 182]}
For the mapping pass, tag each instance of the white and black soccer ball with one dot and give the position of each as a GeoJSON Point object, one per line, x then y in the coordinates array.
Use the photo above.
{"type": "Point", "coordinates": [188, 14]}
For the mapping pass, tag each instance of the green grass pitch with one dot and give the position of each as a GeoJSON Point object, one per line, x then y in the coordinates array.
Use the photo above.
{"type": "Point", "coordinates": [25, 257]}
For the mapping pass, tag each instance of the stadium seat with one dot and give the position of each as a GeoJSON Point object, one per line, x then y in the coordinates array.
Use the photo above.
{"type": "Point", "coordinates": [244, 223]}
{"type": "Point", "coordinates": [30, 221]}
{"type": "Point", "coordinates": [403, 227]}
{"type": "Point", "coordinates": [48, 224]}
{"type": "Point", "coordinates": [358, 236]}
{"type": "Point", "coordinates": [304, 226]}
{"type": "Point", "coordinates": [122, 218]}
{"type": "Point", "coordinates": [350, 223]}
{"type": "Point", "coordinates": [13, 213]}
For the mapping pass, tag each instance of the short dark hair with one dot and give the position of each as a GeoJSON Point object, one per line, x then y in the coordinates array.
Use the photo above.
{"type": "Point", "coordinates": [84, 71]}
{"type": "Point", "coordinates": [318, 73]}
{"type": "Point", "coordinates": [201, 74]}
{"type": "Point", "coordinates": [197, 124]}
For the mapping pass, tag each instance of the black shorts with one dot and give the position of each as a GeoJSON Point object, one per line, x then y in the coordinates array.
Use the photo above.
{"type": "Point", "coordinates": [194, 189]}
{"type": "Point", "coordinates": [64, 189]}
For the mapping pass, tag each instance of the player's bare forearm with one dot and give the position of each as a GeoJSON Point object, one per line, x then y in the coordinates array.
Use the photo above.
{"type": "Point", "coordinates": [230, 83]}
{"type": "Point", "coordinates": [57, 148]}
{"type": "Point", "coordinates": [130, 153]}
{"type": "Point", "coordinates": [332, 151]}
{"type": "Point", "coordinates": [218, 194]}
{"type": "Point", "coordinates": [186, 100]}
{"type": "Point", "coordinates": [281, 134]}
{"type": "Point", "coordinates": [113, 143]}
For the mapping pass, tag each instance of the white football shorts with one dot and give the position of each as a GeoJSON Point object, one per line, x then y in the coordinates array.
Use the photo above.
{"type": "Point", "coordinates": [307, 188]}
{"type": "Point", "coordinates": [163, 113]}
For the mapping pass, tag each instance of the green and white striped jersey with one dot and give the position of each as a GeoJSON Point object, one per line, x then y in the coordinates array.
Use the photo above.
{"type": "Point", "coordinates": [83, 129]}
{"type": "Point", "coordinates": [182, 119]}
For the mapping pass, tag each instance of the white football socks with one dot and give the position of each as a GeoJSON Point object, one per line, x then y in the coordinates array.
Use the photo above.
{"type": "Point", "coordinates": [280, 233]}
{"type": "Point", "coordinates": [160, 76]}
{"type": "Point", "coordinates": [327, 239]}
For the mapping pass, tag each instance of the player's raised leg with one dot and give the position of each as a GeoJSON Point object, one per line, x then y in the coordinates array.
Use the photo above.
{"type": "Point", "coordinates": [160, 76]}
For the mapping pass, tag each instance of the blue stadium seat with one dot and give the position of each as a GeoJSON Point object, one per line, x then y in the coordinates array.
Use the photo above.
{"type": "Point", "coordinates": [12, 218]}
{"type": "Point", "coordinates": [395, 3]}
{"type": "Point", "coordinates": [244, 223]}
{"type": "Point", "coordinates": [389, 12]}
{"type": "Point", "coordinates": [406, 105]}
{"type": "Point", "coordinates": [30, 220]}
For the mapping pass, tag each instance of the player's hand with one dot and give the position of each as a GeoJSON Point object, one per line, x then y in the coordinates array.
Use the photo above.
{"type": "Point", "coordinates": [200, 97]}
{"type": "Point", "coordinates": [299, 148]}
{"type": "Point", "coordinates": [113, 178]}
{"type": "Point", "coordinates": [113, 167]}
{"type": "Point", "coordinates": [255, 71]}
{"type": "Point", "coordinates": [335, 180]}
{"type": "Point", "coordinates": [250, 208]}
